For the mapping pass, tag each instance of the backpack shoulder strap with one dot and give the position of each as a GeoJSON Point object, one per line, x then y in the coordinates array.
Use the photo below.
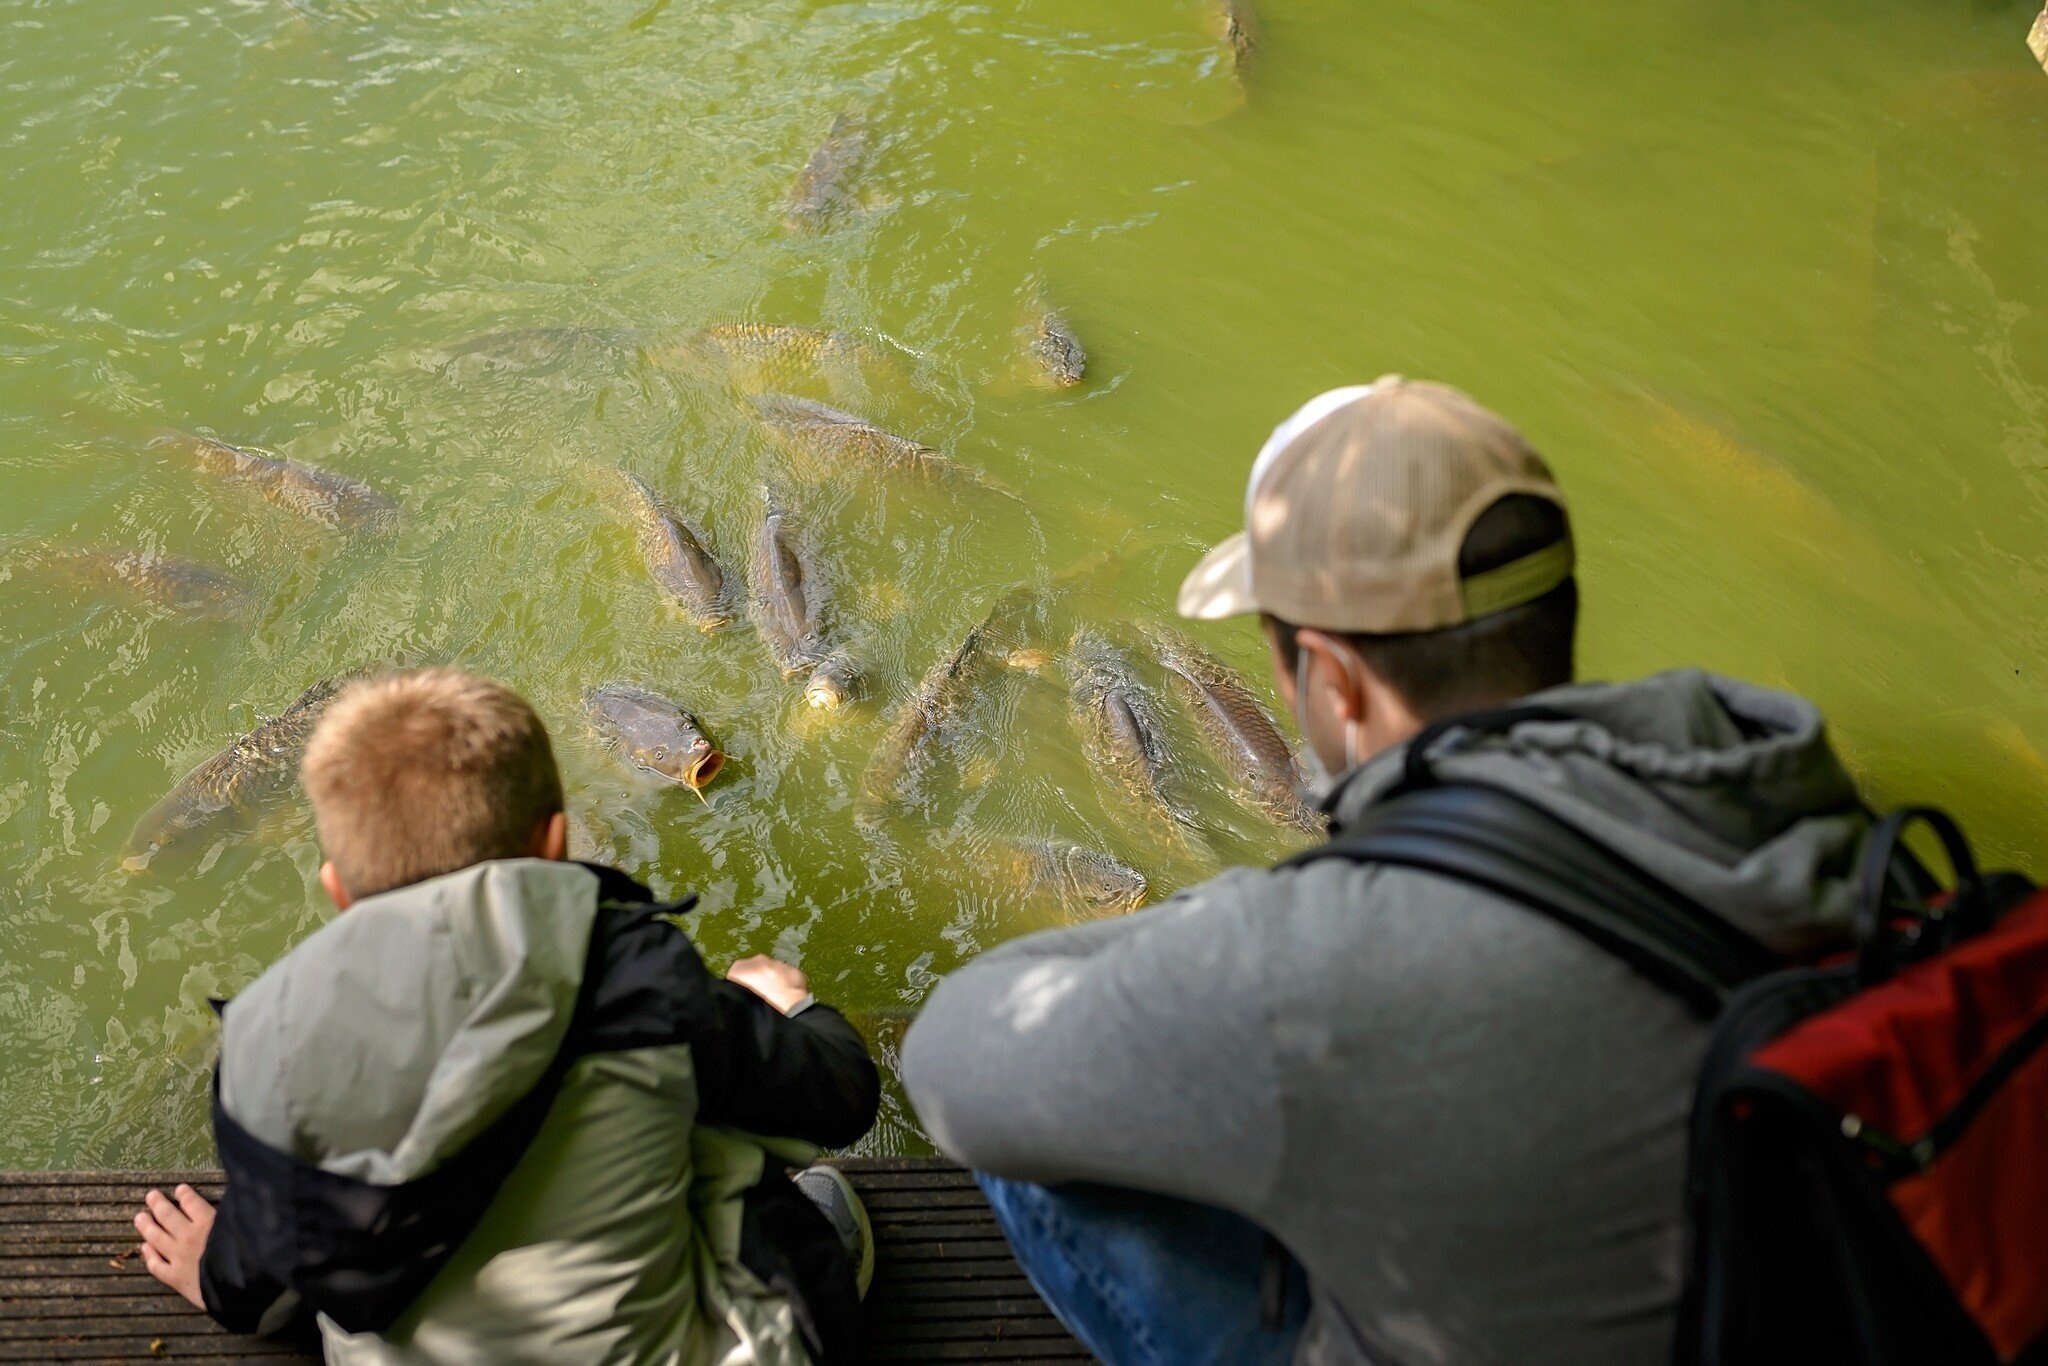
{"type": "Point", "coordinates": [1491, 838]}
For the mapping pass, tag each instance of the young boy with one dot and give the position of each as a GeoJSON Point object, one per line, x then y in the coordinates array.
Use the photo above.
{"type": "Point", "coordinates": [492, 1112]}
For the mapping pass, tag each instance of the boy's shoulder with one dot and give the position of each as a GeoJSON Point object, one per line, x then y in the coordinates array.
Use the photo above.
{"type": "Point", "coordinates": [333, 1048]}
{"type": "Point", "coordinates": [529, 916]}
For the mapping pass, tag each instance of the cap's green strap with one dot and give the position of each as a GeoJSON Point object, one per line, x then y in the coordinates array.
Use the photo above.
{"type": "Point", "coordinates": [1518, 581]}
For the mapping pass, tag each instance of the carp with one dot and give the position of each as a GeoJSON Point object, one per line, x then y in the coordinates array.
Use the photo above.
{"type": "Point", "coordinates": [1119, 721]}
{"type": "Point", "coordinates": [166, 581]}
{"type": "Point", "coordinates": [1077, 874]}
{"type": "Point", "coordinates": [677, 558]}
{"type": "Point", "coordinates": [835, 680]}
{"type": "Point", "coordinates": [820, 189]}
{"type": "Point", "coordinates": [591, 838]}
{"type": "Point", "coordinates": [783, 345]}
{"type": "Point", "coordinates": [335, 501]}
{"type": "Point", "coordinates": [1238, 727]}
{"type": "Point", "coordinates": [655, 733]}
{"type": "Point", "coordinates": [1056, 355]}
{"type": "Point", "coordinates": [1238, 27]}
{"type": "Point", "coordinates": [896, 771]}
{"type": "Point", "coordinates": [538, 351]}
{"type": "Point", "coordinates": [786, 596]}
{"type": "Point", "coordinates": [832, 437]}
{"type": "Point", "coordinates": [756, 356]}
{"type": "Point", "coordinates": [236, 781]}
{"type": "Point", "coordinates": [790, 610]}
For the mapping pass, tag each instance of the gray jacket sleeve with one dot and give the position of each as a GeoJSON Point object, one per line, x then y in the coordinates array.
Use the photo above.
{"type": "Point", "coordinates": [1132, 1052]}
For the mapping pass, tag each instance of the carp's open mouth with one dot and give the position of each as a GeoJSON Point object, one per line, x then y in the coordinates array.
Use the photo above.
{"type": "Point", "coordinates": [702, 767]}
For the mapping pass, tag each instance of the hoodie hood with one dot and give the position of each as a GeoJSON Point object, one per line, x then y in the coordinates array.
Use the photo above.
{"type": "Point", "coordinates": [400, 1030]}
{"type": "Point", "coordinates": [1728, 792]}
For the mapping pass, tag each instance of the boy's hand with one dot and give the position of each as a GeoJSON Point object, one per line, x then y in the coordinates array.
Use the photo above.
{"type": "Point", "coordinates": [173, 1237]}
{"type": "Point", "coordinates": [774, 981]}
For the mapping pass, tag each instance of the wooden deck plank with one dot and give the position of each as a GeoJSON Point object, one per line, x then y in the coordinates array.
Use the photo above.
{"type": "Point", "coordinates": [946, 1286]}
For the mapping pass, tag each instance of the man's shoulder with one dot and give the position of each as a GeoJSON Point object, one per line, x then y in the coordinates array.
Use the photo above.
{"type": "Point", "coordinates": [1312, 883]}
{"type": "Point", "coordinates": [1331, 911]}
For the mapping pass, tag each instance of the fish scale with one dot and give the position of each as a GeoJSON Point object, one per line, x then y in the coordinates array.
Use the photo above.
{"type": "Point", "coordinates": [335, 501]}
{"type": "Point", "coordinates": [1118, 722]}
{"type": "Point", "coordinates": [256, 767]}
{"type": "Point", "coordinates": [1078, 874]}
{"type": "Point", "coordinates": [834, 436]}
{"type": "Point", "coordinates": [820, 189]}
{"type": "Point", "coordinates": [166, 581]}
{"type": "Point", "coordinates": [789, 603]}
{"type": "Point", "coordinates": [677, 558]}
{"type": "Point", "coordinates": [1057, 352]}
{"type": "Point", "coordinates": [1238, 726]}
{"type": "Point", "coordinates": [896, 769]}
{"type": "Point", "coordinates": [783, 593]}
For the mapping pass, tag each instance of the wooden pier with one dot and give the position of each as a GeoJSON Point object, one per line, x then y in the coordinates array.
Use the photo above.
{"type": "Point", "coordinates": [946, 1287]}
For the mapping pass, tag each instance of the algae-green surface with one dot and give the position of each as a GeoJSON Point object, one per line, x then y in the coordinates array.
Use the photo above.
{"type": "Point", "coordinates": [1768, 283]}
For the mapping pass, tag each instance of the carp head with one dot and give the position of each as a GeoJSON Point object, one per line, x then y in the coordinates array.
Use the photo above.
{"type": "Point", "coordinates": [834, 683]}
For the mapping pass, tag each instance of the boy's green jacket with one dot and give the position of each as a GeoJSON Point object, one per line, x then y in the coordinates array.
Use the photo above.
{"type": "Point", "coordinates": [500, 1117]}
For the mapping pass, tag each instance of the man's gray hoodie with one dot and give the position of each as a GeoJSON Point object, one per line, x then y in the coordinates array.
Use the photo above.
{"type": "Point", "coordinates": [1466, 1121]}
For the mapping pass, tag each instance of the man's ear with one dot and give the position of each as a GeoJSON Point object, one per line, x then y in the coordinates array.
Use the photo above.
{"type": "Point", "coordinates": [551, 837]}
{"type": "Point", "coordinates": [330, 878]}
{"type": "Point", "coordinates": [1335, 667]}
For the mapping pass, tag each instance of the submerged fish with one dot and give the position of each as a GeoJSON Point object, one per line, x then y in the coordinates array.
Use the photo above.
{"type": "Point", "coordinates": [896, 771]}
{"type": "Point", "coordinates": [1079, 875]}
{"type": "Point", "coordinates": [1238, 26]}
{"type": "Point", "coordinates": [785, 344]}
{"type": "Point", "coordinates": [835, 680]}
{"type": "Point", "coordinates": [1056, 355]}
{"type": "Point", "coordinates": [676, 557]}
{"type": "Point", "coordinates": [655, 733]}
{"type": "Point", "coordinates": [2037, 40]}
{"type": "Point", "coordinates": [591, 838]}
{"type": "Point", "coordinates": [789, 598]}
{"type": "Point", "coordinates": [765, 355]}
{"type": "Point", "coordinates": [1243, 733]}
{"type": "Point", "coordinates": [786, 590]}
{"type": "Point", "coordinates": [820, 189]}
{"type": "Point", "coordinates": [534, 351]}
{"type": "Point", "coordinates": [166, 581]}
{"type": "Point", "coordinates": [333, 500]}
{"type": "Point", "coordinates": [1119, 721]}
{"type": "Point", "coordinates": [233, 782]}
{"type": "Point", "coordinates": [833, 437]}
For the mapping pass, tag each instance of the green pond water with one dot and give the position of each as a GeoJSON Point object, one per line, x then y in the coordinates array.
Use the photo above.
{"type": "Point", "coordinates": [1767, 282]}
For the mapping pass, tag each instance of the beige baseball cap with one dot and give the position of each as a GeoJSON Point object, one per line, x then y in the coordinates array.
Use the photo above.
{"type": "Point", "coordinates": [1358, 506]}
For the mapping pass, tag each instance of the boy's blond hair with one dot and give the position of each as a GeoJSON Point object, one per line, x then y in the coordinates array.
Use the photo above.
{"type": "Point", "coordinates": [419, 773]}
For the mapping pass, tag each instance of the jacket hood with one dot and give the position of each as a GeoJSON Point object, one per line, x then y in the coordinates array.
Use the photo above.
{"type": "Point", "coordinates": [400, 1030]}
{"type": "Point", "coordinates": [1728, 792]}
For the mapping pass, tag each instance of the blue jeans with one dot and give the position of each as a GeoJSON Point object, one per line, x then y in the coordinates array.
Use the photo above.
{"type": "Point", "coordinates": [1143, 1280]}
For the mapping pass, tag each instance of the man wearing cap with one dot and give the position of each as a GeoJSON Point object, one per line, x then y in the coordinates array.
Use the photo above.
{"type": "Point", "coordinates": [1464, 1123]}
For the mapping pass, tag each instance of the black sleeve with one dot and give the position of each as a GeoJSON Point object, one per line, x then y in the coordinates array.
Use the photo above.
{"type": "Point", "coordinates": [806, 1076]}
{"type": "Point", "coordinates": [240, 1294]}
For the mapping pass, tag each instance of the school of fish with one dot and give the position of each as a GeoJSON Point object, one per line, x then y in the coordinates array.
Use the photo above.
{"type": "Point", "coordinates": [786, 592]}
